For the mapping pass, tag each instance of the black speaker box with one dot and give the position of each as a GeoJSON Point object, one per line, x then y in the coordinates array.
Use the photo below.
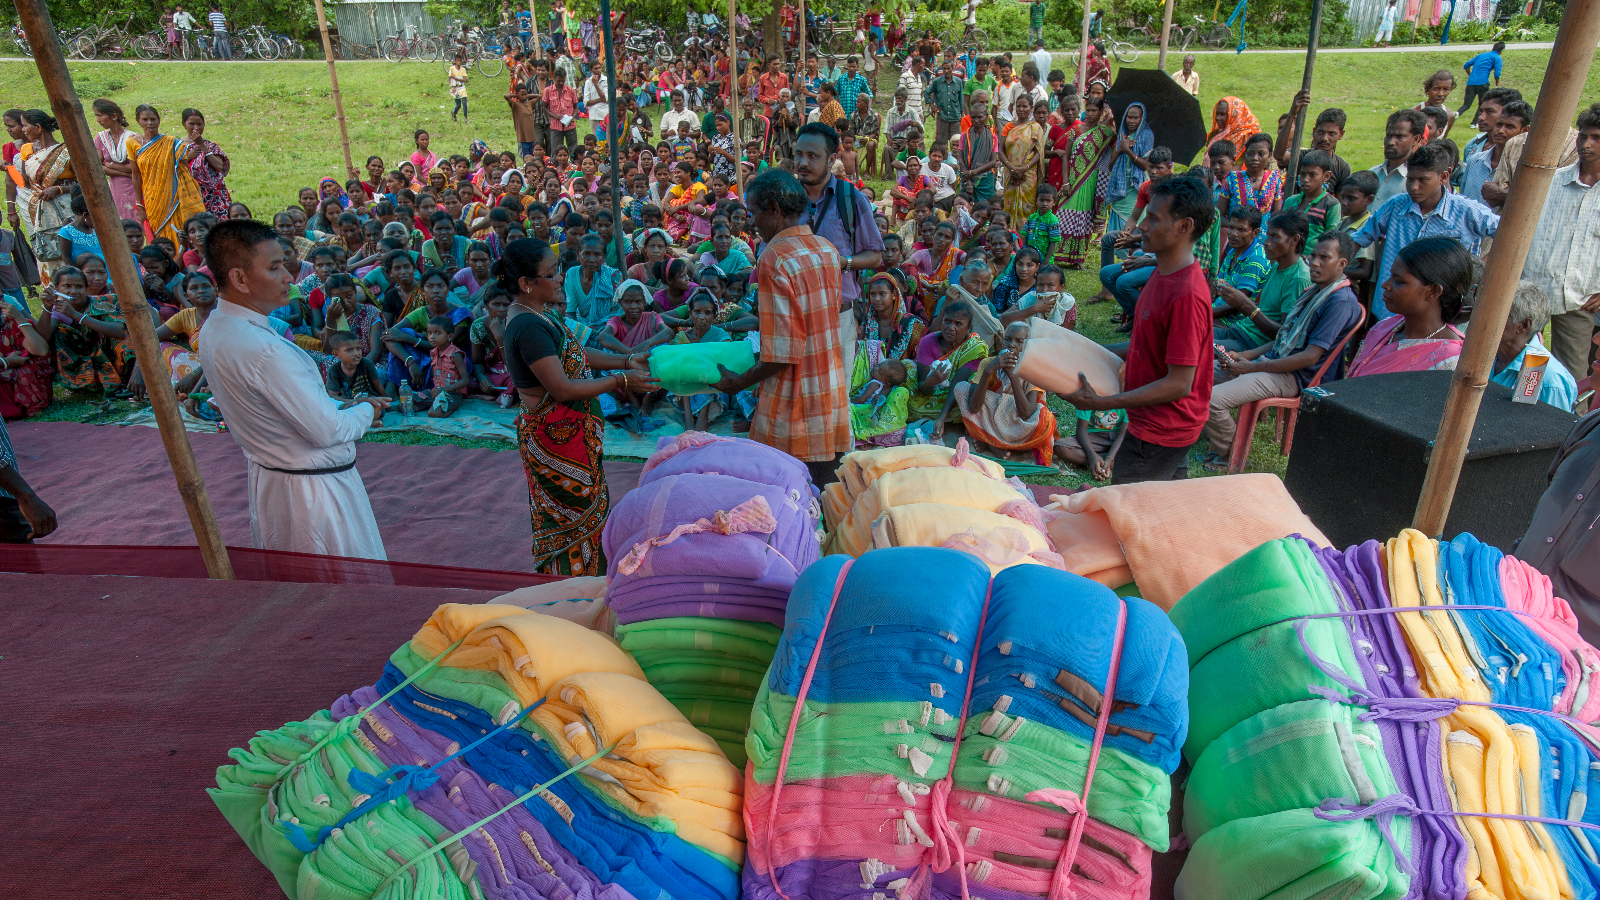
{"type": "Point", "coordinates": [1361, 450]}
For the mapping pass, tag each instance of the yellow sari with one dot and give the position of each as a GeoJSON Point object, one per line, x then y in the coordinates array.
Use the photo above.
{"type": "Point", "coordinates": [171, 195]}
{"type": "Point", "coordinates": [1021, 141]}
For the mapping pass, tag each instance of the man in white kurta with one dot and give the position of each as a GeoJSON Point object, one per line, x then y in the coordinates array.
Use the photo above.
{"type": "Point", "coordinates": [305, 493]}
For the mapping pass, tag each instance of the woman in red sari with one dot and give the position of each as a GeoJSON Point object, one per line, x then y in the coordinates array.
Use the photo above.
{"type": "Point", "coordinates": [1064, 128]}
{"type": "Point", "coordinates": [25, 378]}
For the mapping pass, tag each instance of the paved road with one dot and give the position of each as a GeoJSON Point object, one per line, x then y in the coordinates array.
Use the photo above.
{"type": "Point", "coordinates": [1152, 49]}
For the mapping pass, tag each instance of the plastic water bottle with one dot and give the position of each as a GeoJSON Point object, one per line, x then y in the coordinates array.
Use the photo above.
{"type": "Point", "coordinates": [407, 403]}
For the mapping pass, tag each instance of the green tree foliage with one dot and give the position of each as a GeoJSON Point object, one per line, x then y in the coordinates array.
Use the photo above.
{"type": "Point", "coordinates": [293, 17]}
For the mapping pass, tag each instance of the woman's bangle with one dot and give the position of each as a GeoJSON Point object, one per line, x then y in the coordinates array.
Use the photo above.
{"type": "Point", "coordinates": [624, 377]}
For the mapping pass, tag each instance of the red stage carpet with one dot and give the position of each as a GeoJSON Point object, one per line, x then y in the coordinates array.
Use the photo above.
{"type": "Point", "coordinates": [439, 505]}
{"type": "Point", "coordinates": [121, 696]}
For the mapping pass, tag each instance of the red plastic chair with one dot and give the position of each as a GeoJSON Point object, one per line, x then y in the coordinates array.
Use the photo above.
{"type": "Point", "coordinates": [1288, 410]}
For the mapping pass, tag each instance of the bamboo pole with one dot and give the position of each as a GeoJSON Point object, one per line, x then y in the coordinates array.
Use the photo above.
{"type": "Point", "coordinates": [119, 261]}
{"type": "Point", "coordinates": [1083, 50]}
{"type": "Point", "coordinates": [800, 58]}
{"type": "Point", "coordinates": [533, 26]}
{"type": "Point", "coordinates": [612, 131]}
{"type": "Point", "coordinates": [735, 111]}
{"type": "Point", "coordinates": [1305, 85]}
{"type": "Point", "coordinates": [1564, 78]}
{"type": "Point", "coordinates": [338, 98]}
{"type": "Point", "coordinates": [1166, 33]}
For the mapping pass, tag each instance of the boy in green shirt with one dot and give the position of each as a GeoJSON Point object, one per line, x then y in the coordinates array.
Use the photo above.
{"type": "Point", "coordinates": [1315, 199]}
{"type": "Point", "coordinates": [980, 81]}
{"type": "Point", "coordinates": [1289, 278]}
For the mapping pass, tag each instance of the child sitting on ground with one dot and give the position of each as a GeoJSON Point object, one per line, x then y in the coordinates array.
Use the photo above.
{"type": "Point", "coordinates": [355, 376]}
{"type": "Point", "coordinates": [1004, 412]}
{"type": "Point", "coordinates": [1096, 442]}
{"type": "Point", "coordinates": [878, 411]}
{"type": "Point", "coordinates": [450, 368]}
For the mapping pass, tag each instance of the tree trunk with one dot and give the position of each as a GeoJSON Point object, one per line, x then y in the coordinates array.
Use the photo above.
{"type": "Point", "coordinates": [772, 31]}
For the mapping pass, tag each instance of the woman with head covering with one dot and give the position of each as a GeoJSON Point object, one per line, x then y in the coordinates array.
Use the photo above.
{"type": "Point", "coordinates": [1082, 215]}
{"type": "Point", "coordinates": [559, 430]}
{"type": "Point", "coordinates": [890, 330]}
{"type": "Point", "coordinates": [591, 286]}
{"type": "Point", "coordinates": [1427, 286]}
{"type": "Point", "coordinates": [1128, 164]}
{"type": "Point", "coordinates": [1231, 120]}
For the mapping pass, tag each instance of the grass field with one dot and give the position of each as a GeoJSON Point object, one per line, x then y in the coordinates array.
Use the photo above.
{"type": "Point", "coordinates": [276, 123]}
{"type": "Point", "coordinates": [276, 120]}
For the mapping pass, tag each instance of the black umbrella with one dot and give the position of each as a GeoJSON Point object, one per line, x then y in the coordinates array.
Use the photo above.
{"type": "Point", "coordinates": [1174, 113]}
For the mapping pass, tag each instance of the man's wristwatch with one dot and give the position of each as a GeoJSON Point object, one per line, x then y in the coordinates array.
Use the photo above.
{"type": "Point", "coordinates": [844, 263]}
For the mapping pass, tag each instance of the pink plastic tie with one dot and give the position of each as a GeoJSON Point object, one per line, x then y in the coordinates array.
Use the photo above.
{"type": "Point", "coordinates": [794, 721]}
{"type": "Point", "coordinates": [1061, 881]}
{"type": "Point", "coordinates": [752, 515]}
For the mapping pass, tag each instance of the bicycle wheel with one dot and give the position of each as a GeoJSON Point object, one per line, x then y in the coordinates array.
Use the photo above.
{"type": "Point", "coordinates": [490, 65]}
{"type": "Point", "coordinates": [1218, 37]}
{"type": "Point", "coordinates": [431, 49]}
{"type": "Point", "coordinates": [392, 48]}
{"type": "Point", "coordinates": [83, 47]}
{"type": "Point", "coordinates": [841, 43]}
{"type": "Point", "coordinates": [978, 40]}
{"type": "Point", "coordinates": [266, 48]}
{"type": "Point", "coordinates": [238, 47]}
{"type": "Point", "coordinates": [664, 52]}
{"type": "Point", "coordinates": [1124, 51]}
{"type": "Point", "coordinates": [147, 47]}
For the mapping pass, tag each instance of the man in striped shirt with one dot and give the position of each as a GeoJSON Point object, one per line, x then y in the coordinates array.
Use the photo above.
{"type": "Point", "coordinates": [219, 32]}
{"type": "Point", "coordinates": [804, 406]}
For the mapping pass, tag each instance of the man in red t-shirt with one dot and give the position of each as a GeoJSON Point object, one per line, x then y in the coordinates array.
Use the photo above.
{"type": "Point", "coordinates": [1168, 374]}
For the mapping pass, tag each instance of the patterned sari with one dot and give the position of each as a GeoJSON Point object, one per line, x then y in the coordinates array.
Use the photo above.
{"type": "Point", "coordinates": [997, 423]}
{"type": "Point", "coordinates": [967, 355]}
{"type": "Point", "coordinates": [171, 195]}
{"type": "Point", "coordinates": [25, 388]}
{"type": "Point", "coordinates": [567, 494]}
{"type": "Point", "coordinates": [213, 184]}
{"type": "Point", "coordinates": [1020, 143]}
{"type": "Point", "coordinates": [679, 219]}
{"type": "Point", "coordinates": [1236, 127]}
{"type": "Point", "coordinates": [874, 346]}
{"type": "Point", "coordinates": [49, 168]}
{"type": "Point", "coordinates": [1083, 214]}
{"type": "Point", "coordinates": [85, 358]}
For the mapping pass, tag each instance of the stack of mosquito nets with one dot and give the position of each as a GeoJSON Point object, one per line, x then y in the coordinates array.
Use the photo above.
{"type": "Point", "coordinates": [703, 555]}
{"type": "Point", "coordinates": [929, 728]}
{"type": "Point", "coordinates": [1168, 536]}
{"type": "Point", "coordinates": [503, 754]}
{"type": "Point", "coordinates": [1396, 720]}
{"type": "Point", "coordinates": [933, 496]}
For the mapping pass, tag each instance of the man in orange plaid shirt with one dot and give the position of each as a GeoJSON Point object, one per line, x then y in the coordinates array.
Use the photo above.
{"type": "Point", "coordinates": [804, 404]}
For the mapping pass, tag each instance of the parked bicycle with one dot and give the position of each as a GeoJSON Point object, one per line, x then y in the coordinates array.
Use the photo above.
{"type": "Point", "coordinates": [1214, 35]}
{"type": "Point", "coordinates": [411, 45]}
{"type": "Point", "coordinates": [258, 43]}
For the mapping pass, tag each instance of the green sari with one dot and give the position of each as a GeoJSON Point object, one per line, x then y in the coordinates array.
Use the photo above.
{"type": "Point", "coordinates": [966, 356]}
{"type": "Point", "coordinates": [1084, 212]}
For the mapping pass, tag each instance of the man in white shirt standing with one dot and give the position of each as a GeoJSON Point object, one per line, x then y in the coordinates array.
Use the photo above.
{"type": "Point", "coordinates": [305, 493]}
{"type": "Point", "coordinates": [594, 101]}
{"type": "Point", "coordinates": [911, 83]}
{"type": "Point", "coordinates": [1564, 258]}
{"type": "Point", "coordinates": [1042, 60]}
{"type": "Point", "coordinates": [183, 20]}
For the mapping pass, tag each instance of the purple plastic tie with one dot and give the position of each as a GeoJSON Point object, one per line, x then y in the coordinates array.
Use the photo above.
{"type": "Point", "coordinates": [1383, 811]}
